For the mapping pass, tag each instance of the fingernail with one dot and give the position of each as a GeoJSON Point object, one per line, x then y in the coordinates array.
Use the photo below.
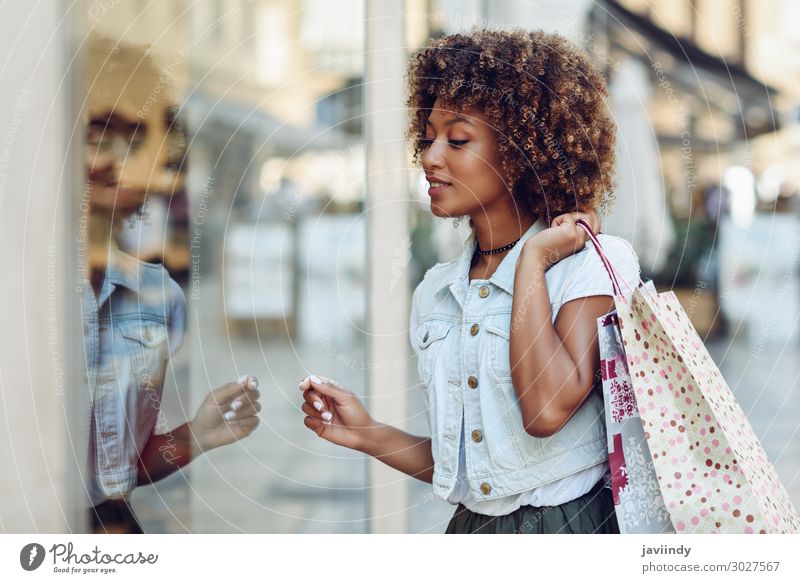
{"type": "Point", "coordinates": [236, 405]}
{"type": "Point", "coordinates": [315, 379]}
{"type": "Point", "coordinates": [326, 415]}
{"type": "Point", "coordinates": [229, 415]}
{"type": "Point", "coordinates": [253, 382]}
{"type": "Point", "coordinates": [318, 405]}
{"type": "Point", "coordinates": [241, 379]}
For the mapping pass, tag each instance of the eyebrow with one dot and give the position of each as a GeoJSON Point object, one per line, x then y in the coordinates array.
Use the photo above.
{"type": "Point", "coordinates": [115, 122]}
{"type": "Point", "coordinates": [452, 121]}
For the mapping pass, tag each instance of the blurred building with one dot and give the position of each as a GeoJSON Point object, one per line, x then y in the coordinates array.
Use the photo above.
{"type": "Point", "coordinates": [713, 88]}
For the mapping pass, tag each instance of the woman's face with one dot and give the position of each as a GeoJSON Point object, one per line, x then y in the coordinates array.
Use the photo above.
{"type": "Point", "coordinates": [123, 156]}
{"type": "Point", "coordinates": [460, 163]}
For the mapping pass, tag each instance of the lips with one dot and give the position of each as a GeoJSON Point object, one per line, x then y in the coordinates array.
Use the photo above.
{"type": "Point", "coordinates": [436, 185]}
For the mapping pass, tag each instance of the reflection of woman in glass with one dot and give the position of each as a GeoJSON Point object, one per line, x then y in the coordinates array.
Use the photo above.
{"type": "Point", "coordinates": [134, 314]}
{"type": "Point", "coordinates": [512, 131]}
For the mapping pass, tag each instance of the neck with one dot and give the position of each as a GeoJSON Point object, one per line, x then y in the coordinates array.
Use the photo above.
{"type": "Point", "coordinates": [492, 233]}
{"type": "Point", "coordinates": [101, 242]}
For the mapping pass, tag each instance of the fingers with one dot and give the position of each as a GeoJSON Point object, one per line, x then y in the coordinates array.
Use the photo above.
{"type": "Point", "coordinates": [241, 408]}
{"type": "Point", "coordinates": [243, 400]}
{"type": "Point", "coordinates": [242, 428]}
{"type": "Point", "coordinates": [590, 217]}
{"type": "Point", "coordinates": [235, 430]}
{"type": "Point", "coordinates": [568, 223]}
{"type": "Point", "coordinates": [313, 398]}
{"type": "Point", "coordinates": [565, 221]}
{"type": "Point", "coordinates": [594, 221]}
{"type": "Point", "coordinates": [328, 388]}
{"type": "Point", "coordinates": [239, 400]}
{"type": "Point", "coordinates": [571, 222]}
{"type": "Point", "coordinates": [246, 384]}
{"type": "Point", "coordinates": [582, 236]}
{"type": "Point", "coordinates": [314, 424]}
{"type": "Point", "coordinates": [321, 415]}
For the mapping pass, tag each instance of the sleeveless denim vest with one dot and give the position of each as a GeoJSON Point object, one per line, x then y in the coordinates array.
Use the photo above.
{"type": "Point", "coordinates": [460, 333]}
{"type": "Point", "coordinates": [130, 332]}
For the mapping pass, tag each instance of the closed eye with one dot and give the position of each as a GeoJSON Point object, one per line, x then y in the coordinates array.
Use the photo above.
{"type": "Point", "coordinates": [426, 143]}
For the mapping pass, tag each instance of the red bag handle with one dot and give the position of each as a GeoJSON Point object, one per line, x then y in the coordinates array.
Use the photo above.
{"type": "Point", "coordinates": [612, 272]}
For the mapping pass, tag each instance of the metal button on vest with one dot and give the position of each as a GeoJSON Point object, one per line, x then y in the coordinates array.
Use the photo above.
{"type": "Point", "coordinates": [472, 382]}
{"type": "Point", "coordinates": [474, 329]}
{"type": "Point", "coordinates": [486, 489]}
{"type": "Point", "coordinates": [477, 436]}
{"type": "Point", "coordinates": [484, 291]}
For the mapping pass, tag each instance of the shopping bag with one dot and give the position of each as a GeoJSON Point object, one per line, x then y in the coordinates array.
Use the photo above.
{"type": "Point", "coordinates": [638, 502]}
{"type": "Point", "coordinates": [713, 472]}
{"type": "Point", "coordinates": [715, 475]}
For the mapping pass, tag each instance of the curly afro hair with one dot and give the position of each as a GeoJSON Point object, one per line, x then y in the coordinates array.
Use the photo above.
{"type": "Point", "coordinates": [555, 136]}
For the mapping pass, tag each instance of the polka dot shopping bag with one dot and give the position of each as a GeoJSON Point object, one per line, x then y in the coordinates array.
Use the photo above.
{"type": "Point", "coordinates": [638, 502]}
{"type": "Point", "coordinates": [712, 472]}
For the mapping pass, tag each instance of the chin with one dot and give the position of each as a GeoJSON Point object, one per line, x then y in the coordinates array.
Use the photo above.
{"type": "Point", "coordinates": [437, 211]}
{"type": "Point", "coordinates": [443, 212]}
{"type": "Point", "coordinates": [110, 200]}
{"type": "Point", "coordinates": [112, 211]}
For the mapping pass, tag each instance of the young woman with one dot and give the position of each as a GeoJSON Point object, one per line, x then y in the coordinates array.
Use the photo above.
{"type": "Point", "coordinates": [134, 313]}
{"type": "Point", "coordinates": [512, 132]}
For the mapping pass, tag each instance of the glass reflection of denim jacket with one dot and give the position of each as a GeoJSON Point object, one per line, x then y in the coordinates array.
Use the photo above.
{"type": "Point", "coordinates": [130, 332]}
{"type": "Point", "coordinates": [460, 331]}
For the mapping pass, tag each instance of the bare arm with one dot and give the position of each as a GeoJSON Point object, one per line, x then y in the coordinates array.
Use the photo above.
{"type": "Point", "coordinates": [164, 454]}
{"type": "Point", "coordinates": [553, 366]}
{"type": "Point", "coordinates": [402, 451]}
{"type": "Point", "coordinates": [337, 415]}
{"type": "Point", "coordinates": [226, 415]}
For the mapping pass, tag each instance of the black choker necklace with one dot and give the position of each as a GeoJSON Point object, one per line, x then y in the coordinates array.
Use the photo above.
{"type": "Point", "coordinates": [498, 250]}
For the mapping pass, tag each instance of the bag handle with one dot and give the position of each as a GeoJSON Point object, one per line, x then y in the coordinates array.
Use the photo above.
{"type": "Point", "coordinates": [612, 272]}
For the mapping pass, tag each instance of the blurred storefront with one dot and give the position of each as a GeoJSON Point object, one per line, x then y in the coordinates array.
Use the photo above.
{"type": "Point", "coordinates": [288, 212]}
{"type": "Point", "coordinates": [711, 167]}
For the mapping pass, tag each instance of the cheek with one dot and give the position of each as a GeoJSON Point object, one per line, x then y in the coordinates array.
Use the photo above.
{"type": "Point", "coordinates": [137, 168]}
{"type": "Point", "coordinates": [483, 173]}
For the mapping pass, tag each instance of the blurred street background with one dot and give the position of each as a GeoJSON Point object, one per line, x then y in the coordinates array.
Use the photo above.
{"type": "Point", "coordinates": [268, 221]}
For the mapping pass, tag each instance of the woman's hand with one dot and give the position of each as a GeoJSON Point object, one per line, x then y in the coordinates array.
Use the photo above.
{"type": "Point", "coordinates": [335, 413]}
{"type": "Point", "coordinates": [227, 414]}
{"type": "Point", "coordinates": [562, 239]}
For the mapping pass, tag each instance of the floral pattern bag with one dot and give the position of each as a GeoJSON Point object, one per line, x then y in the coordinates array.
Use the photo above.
{"type": "Point", "coordinates": [713, 473]}
{"type": "Point", "coordinates": [638, 502]}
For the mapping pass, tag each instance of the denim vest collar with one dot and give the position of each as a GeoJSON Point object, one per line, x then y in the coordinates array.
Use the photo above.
{"type": "Point", "coordinates": [127, 271]}
{"type": "Point", "coordinates": [503, 276]}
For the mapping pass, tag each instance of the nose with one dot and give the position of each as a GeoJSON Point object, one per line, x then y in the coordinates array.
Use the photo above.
{"type": "Point", "coordinates": [433, 156]}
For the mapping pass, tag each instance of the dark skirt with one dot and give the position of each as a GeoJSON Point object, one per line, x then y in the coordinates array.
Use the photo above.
{"type": "Point", "coordinates": [114, 517]}
{"type": "Point", "coordinates": [592, 513]}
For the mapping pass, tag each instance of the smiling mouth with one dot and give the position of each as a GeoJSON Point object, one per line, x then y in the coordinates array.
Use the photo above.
{"type": "Point", "coordinates": [437, 187]}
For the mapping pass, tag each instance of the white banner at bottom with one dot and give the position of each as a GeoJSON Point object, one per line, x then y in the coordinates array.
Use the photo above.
{"type": "Point", "coordinates": [355, 558]}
